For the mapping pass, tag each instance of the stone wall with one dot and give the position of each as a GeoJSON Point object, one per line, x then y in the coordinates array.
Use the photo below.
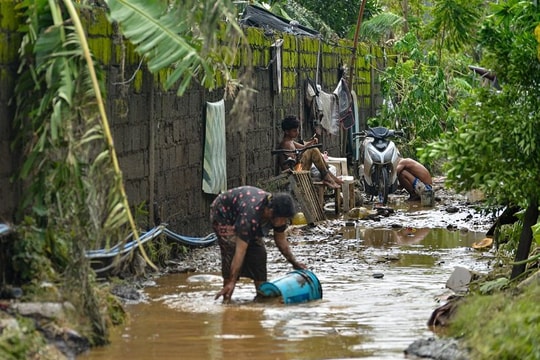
{"type": "Point", "coordinates": [159, 136]}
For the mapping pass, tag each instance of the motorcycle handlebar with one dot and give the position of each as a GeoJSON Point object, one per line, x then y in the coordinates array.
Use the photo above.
{"type": "Point", "coordinates": [390, 133]}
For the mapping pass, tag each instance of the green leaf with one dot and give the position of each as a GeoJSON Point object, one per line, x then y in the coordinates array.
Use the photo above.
{"type": "Point", "coordinates": [165, 36]}
{"type": "Point", "coordinates": [536, 233]}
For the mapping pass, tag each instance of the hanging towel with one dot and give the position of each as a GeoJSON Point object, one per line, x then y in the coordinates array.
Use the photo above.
{"type": "Point", "coordinates": [215, 162]}
{"type": "Point", "coordinates": [276, 68]}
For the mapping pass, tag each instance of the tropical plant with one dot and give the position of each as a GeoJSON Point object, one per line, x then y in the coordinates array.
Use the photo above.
{"type": "Point", "coordinates": [381, 28]}
{"type": "Point", "coordinates": [73, 186]}
{"type": "Point", "coordinates": [72, 182]}
{"type": "Point", "coordinates": [333, 19]}
{"type": "Point", "coordinates": [419, 94]}
{"type": "Point", "coordinates": [191, 41]}
{"type": "Point", "coordinates": [454, 23]}
{"type": "Point", "coordinates": [183, 36]}
{"type": "Point", "coordinates": [495, 146]}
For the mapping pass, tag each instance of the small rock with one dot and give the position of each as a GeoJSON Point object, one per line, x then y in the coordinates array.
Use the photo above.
{"type": "Point", "coordinates": [378, 275]}
{"type": "Point", "coordinates": [126, 292]}
{"type": "Point", "coordinates": [43, 309]}
{"type": "Point", "coordinates": [440, 349]}
{"type": "Point", "coordinates": [452, 209]}
{"type": "Point", "coordinates": [460, 278]}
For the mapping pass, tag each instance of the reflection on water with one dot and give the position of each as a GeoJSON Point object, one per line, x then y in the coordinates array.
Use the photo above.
{"type": "Point", "coordinates": [360, 316]}
{"type": "Point", "coordinates": [430, 238]}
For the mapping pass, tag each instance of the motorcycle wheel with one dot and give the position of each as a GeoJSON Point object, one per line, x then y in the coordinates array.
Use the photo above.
{"type": "Point", "coordinates": [384, 185]}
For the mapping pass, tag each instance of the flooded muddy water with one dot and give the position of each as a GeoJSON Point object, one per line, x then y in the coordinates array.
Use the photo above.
{"type": "Point", "coordinates": [360, 316]}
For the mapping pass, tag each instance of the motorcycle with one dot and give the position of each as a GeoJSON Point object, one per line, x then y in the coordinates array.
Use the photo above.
{"type": "Point", "coordinates": [378, 161]}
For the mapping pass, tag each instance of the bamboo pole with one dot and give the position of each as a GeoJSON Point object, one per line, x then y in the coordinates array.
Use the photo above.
{"type": "Point", "coordinates": [355, 45]}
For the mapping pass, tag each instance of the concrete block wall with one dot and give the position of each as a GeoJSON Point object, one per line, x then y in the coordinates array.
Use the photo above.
{"type": "Point", "coordinates": [159, 137]}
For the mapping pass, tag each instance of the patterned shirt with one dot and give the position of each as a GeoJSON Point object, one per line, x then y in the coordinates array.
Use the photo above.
{"type": "Point", "coordinates": [243, 208]}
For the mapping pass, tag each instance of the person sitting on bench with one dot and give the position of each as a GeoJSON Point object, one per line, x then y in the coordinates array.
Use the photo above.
{"type": "Point", "coordinates": [310, 157]}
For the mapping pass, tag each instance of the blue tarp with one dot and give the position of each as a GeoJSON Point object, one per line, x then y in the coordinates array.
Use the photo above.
{"type": "Point", "coordinates": [4, 229]}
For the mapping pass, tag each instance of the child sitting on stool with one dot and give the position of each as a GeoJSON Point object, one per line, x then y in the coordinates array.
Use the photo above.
{"type": "Point", "coordinates": [312, 156]}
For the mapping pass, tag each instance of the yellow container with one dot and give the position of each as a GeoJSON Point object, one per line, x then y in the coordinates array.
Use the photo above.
{"type": "Point", "coordinates": [299, 219]}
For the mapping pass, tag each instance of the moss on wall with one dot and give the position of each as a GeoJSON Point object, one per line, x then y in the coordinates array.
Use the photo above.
{"type": "Point", "coordinates": [8, 15]}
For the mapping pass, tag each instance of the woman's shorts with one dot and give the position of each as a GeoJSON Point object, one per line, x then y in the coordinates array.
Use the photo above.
{"type": "Point", "coordinates": [254, 266]}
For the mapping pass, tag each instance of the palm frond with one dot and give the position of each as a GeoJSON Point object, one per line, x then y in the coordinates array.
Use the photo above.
{"type": "Point", "coordinates": [380, 27]}
{"type": "Point", "coordinates": [167, 38]}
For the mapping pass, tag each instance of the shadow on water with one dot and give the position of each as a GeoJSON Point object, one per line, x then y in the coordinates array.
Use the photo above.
{"type": "Point", "coordinates": [360, 315]}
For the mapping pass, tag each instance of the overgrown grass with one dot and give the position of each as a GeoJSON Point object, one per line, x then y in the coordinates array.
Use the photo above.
{"type": "Point", "coordinates": [22, 341]}
{"type": "Point", "coordinates": [500, 326]}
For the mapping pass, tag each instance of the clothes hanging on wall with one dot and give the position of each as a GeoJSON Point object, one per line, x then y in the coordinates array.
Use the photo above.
{"type": "Point", "coordinates": [346, 116]}
{"type": "Point", "coordinates": [214, 178]}
{"type": "Point", "coordinates": [324, 107]}
{"type": "Point", "coordinates": [329, 108]}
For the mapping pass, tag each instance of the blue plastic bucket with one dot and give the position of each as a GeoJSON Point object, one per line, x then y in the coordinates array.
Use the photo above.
{"type": "Point", "coordinates": [296, 287]}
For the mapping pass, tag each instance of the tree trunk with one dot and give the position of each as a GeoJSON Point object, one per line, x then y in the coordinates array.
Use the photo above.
{"type": "Point", "coordinates": [525, 240]}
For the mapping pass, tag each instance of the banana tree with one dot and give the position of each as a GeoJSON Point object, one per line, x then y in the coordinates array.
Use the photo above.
{"type": "Point", "coordinates": [73, 197]}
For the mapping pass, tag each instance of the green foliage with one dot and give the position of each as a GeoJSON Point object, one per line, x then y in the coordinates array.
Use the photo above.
{"type": "Point", "coordinates": [495, 146]}
{"type": "Point", "coordinates": [117, 315]}
{"type": "Point", "coordinates": [330, 18]}
{"type": "Point", "coordinates": [454, 23]}
{"type": "Point", "coordinates": [381, 27]}
{"type": "Point", "coordinates": [67, 164]}
{"type": "Point", "coordinates": [536, 233]}
{"type": "Point", "coordinates": [510, 46]}
{"type": "Point", "coordinates": [20, 342]}
{"type": "Point", "coordinates": [420, 94]}
{"type": "Point", "coordinates": [72, 188]}
{"type": "Point", "coordinates": [182, 37]}
{"type": "Point", "coordinates": [508, 237]}
{"type": "Point", "coordinates": [493, 285]}
{"type": "Point", "coordinates": [37, 254]}
{"type": "Point", "coordinates": [495, 318]}
{"type": "Point", "coordinates": [161, 250]}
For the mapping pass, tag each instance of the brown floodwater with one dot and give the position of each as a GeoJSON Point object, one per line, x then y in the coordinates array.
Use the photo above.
{"type": "Point", "coordinates": [360, 316]}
